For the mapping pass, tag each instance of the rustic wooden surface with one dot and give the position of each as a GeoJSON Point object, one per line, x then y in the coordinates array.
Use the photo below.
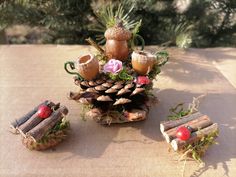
{"type": "Point", "coordinates": [29, 74]}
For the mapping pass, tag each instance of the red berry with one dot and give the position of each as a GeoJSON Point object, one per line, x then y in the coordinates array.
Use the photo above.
{"type": "Point", "coordinates": [142, 80]}
{"type": "Point", "coordinates": [183, 133]}
{"type": "Point", "coordinates": [44, 111]}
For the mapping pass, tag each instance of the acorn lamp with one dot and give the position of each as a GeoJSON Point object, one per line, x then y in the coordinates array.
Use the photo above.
{"type": "Point", "coordinates": [116, 42]}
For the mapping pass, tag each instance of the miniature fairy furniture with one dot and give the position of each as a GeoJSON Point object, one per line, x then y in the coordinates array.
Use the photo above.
{"type": "Point", "coordinates": [115, 85]}
{"type": "Point", "coordinates": [43, 127]}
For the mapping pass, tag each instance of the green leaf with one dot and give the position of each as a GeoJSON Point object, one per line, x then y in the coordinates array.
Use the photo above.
{"type": "Point", "coordinates": [123, 75]}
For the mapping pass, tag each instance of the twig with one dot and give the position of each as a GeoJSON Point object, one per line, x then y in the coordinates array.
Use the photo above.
{"type": "Point", "coordinates": [184, 167]}
{"type": "Point", "coordinates": [193, 107]}
{"type": "Point", "coordinates": [95, 45]}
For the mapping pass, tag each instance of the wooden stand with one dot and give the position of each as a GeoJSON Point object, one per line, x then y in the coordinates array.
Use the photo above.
{"type": "Point", "coordinates": [200, 126]}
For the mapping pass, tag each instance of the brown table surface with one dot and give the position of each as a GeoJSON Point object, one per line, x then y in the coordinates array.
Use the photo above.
{"type": "Point", "coordinates": [30, 74]}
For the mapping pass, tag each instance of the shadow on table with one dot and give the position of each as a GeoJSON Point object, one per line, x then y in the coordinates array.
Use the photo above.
{"type": "Point", "coordinates": [195, 65]}
{"type": "Point", "coordinates": [216, 54]}
{"type": "Point", "coordinates": [188, 68]}
{"type": "Point", "coordinates": [90, 140]}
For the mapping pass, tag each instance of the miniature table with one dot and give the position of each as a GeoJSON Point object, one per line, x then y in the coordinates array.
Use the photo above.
{"type": "Point", "coordinates": [30, 74]}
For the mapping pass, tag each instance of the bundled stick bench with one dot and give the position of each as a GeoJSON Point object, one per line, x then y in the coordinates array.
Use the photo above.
{"type": "Point", "coordinates": [38, 133]}
{"type": "Point", "coordinates": [200, 125]}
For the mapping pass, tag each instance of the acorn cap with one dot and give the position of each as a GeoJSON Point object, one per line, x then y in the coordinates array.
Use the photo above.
{"type": "Point", "coordinates": [118, 32]}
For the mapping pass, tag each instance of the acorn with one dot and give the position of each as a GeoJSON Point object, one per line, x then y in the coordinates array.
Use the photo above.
{"type": "Point", "coordinates": [116, 42]}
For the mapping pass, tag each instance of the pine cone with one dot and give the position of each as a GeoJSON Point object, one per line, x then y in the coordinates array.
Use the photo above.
{"type": "Point", "coordinates": [106, 95]}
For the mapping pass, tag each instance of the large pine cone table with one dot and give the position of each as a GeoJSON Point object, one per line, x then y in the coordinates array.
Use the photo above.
{"type": "Point", "coordinates": [112, 101]}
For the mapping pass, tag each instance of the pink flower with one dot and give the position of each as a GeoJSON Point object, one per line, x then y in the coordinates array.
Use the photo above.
{"type": "Point", "coordinates": [142, 80]}
{"type": "Point", "coordinates": [112, 66]}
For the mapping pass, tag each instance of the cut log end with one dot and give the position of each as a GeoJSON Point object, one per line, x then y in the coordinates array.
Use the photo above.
{"type": "Point", "coordinates": [174, 145]}
{"type": "Point", "coordinates": [13, 129]}
{"type": "Point", "coordinates": [162, 128]}
{"type": "Point", "coordinates": [167, 137]}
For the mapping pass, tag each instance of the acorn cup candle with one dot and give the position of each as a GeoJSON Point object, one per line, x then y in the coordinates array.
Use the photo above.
{"type": "Point", "coordinates": [116, 42]}
{"type": "Point", "coordinates": [142, 62]}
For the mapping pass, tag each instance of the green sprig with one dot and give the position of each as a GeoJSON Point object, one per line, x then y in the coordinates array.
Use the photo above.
{"type": "Point", "coordinates": [198, 149]}
{"type": "Point", "coordinates": [122, 75]}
